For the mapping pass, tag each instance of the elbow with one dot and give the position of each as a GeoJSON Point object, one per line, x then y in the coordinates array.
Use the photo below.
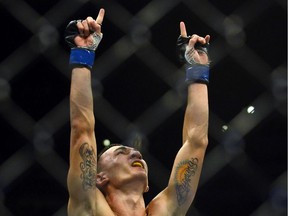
{"type": "Point", "coordinates": [80, 126]}
{"type": "Point", "coordinates": [198, 142]}
{"type": "Point", "coordinates": [198, 139]}
{"type": "Point", "coordinates": [204, 142]}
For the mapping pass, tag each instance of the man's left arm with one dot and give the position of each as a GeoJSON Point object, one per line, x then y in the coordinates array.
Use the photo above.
{"type": "Point", "coordinates": [185, 175]}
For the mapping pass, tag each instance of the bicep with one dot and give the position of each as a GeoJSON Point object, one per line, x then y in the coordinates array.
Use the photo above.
{"type": "Point", "coordinates": [82, 171]}
{"type": "Point", "coordinates": [185, 176]}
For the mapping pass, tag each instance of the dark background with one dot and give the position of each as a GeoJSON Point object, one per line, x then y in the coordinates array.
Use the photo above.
{"type": "Point", "coordinates": [140, 98]}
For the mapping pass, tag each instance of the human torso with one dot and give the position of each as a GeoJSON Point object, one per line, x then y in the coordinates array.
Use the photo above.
{"type": "Point", "coordinates": [157, 207]}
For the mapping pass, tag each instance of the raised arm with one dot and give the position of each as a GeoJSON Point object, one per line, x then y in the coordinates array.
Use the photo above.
{"type": "Point", "coordinates": [186, 170]}
{"type": "Point", "coordinates": [83, 36]}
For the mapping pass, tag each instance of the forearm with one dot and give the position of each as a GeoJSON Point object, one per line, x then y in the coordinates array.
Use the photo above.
{"type": "Point", "coordinates": [195, 127]}
{"type": "Point", "coordinates": [81, 100]}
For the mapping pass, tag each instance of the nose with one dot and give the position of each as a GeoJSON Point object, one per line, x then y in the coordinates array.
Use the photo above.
{"type": "Point", "coordinates": [136, 154]}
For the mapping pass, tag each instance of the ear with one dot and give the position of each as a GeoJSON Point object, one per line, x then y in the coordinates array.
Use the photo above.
{"type": "Point", "coordinates": [147, 189]}
{"type": "Point", "coordinates": [101, 180]}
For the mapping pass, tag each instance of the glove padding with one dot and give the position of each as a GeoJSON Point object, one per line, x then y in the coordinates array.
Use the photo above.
{"type": "Point", "coordinates": [71, 32]}
{"type": "Point", "coordinates": [182, 51]}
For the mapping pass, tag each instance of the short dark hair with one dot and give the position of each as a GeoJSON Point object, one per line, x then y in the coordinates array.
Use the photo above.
{"type": "Point", "coordinates": [106, 148]}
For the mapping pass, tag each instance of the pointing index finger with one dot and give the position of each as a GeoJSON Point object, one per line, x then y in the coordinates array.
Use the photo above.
{"type": "Point", "coordinates": [183, 29]}
{"type": "Point", "coordinates": [100, 16]}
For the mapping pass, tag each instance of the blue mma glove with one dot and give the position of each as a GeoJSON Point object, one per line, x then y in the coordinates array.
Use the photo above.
{"type": "Point", "coordinates": [195, 72]}
{"type": "Point", "coordinates": [81, 55]}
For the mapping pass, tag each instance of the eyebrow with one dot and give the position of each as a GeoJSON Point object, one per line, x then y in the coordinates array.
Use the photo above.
{"type": "Point", "coordinates": [121, 148]}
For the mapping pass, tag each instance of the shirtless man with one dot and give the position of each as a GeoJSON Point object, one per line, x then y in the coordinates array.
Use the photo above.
{"type": "Point", "coordinates": [114, 185]}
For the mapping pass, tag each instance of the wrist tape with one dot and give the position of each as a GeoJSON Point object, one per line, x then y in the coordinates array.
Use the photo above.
{"type": "Point", "coordinates": [197, 73]}
{"type": "Point", "coordinates": [80, 56]}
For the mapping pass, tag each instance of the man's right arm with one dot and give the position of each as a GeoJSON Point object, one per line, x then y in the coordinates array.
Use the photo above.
{"type": "Point", "coordinates": [82, 171]}
{"type": "Point", "coordinates": [83, 37]}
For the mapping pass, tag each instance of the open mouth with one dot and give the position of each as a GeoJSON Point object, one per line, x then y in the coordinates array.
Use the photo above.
{"type": "Point", "coordinates": [137, 164]}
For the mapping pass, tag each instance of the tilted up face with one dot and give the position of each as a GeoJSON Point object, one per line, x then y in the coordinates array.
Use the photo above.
{"type": "Point", "coordinates": [124, 165]}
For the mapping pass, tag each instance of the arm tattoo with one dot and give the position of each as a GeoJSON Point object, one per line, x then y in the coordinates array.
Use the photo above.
{"type": "Point", "coordinates": [184, 171]}
{"type": "Point", "coordinates": [88, 166]}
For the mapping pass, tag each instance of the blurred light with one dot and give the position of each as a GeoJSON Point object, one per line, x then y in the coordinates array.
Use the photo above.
{"type": "Point", "coordinates": [234, 33]}
{"type": "Point", "coordinates": [140, 33]}
{"type": "Point", "coordinates": [224, 128]}
{"type": "Point", "coordinates": [106, 142]}
{"type": "Point", "coordinates": [47, 36]}
{"type": "Point", "coordinates": [250, 109]}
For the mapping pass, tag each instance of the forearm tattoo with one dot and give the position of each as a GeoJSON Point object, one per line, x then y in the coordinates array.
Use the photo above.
{"type": "Point", "coordinates": [88, 166]}
{"type": "Point", "coordinates": [184, 171]}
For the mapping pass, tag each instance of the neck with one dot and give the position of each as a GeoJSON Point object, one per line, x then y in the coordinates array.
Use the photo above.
{"type": "Point", "coordinates": [126, 202]}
